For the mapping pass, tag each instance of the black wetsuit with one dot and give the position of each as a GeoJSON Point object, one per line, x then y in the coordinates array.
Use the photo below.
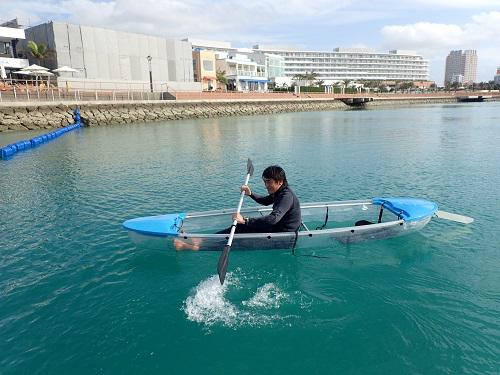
{"type": "Point", "coordinates": [285, 216]}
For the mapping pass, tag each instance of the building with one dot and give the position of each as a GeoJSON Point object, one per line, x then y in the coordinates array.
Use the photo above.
{"type": "Point", "coordinates": [114, 59]}
{"type": "Point", "coordinates": [204, 66]}
{"type": "Point", "coordinates": [242, 73]}
{"type": "Point", "coordinates": [352, 64]}
{"type": "Point", "coordinates": [10, 35]}
{"type": "Point", "coordinates": [461, 63]}
{"type": "Point", "coordinates": [275, 64]}
{"type": "Point", "coordinates": [497, 77]}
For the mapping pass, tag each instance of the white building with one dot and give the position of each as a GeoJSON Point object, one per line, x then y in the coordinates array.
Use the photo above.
{"type": "Point", "coordinates": [352, 64]}
{"type": "Point", "coordinates": [242, 73]}
{"type": "Point", "coordinates": [9, 37]}
{"type": "Point", "coordinates": [115, 59]}
{"type": "Point", "coordinates": [497, 77]}
{"type": "Point", "coordinates": [462, 63]}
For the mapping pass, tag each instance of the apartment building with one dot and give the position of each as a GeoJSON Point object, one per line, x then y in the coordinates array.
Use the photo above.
{"type": "Point", "coordinates": [461, 67]}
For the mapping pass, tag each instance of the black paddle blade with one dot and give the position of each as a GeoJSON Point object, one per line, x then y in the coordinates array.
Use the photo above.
{"type": "Point", "coordinates": [222, 265]}
{"type": "Point", "coordinates": [249, 167]}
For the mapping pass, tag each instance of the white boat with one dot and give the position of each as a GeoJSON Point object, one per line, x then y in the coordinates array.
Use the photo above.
{"type": "Point", "coordinates": [322, 224]}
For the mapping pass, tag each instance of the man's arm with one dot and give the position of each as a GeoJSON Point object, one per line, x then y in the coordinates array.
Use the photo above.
{"type": "Point", "coordinates": [265, 201]}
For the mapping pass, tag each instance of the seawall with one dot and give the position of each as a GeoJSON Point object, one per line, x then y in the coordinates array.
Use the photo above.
{"type": "Point", "coordinates": [48, 115]}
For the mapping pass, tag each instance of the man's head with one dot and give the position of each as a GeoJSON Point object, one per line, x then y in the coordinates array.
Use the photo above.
{"type": "Point", "coordinates": [274, 177]}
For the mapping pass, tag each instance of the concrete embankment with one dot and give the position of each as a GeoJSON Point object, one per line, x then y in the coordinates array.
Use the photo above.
{"type": "Point", "coordinates": [32, 116]}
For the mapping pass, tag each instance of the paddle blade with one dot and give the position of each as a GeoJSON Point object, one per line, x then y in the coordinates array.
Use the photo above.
{"type": "Point", "coordinates": [249, 167]}
{"type": "Point", "coordinates": [454, 217]}
{"type": "Point", "coordinates": [222, 265]}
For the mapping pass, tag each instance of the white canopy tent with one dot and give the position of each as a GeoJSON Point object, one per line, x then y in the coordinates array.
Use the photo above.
{"type": "Point", "coordinates": [33, 67]}
{"type": "Point", "coordinates": [65, 69]}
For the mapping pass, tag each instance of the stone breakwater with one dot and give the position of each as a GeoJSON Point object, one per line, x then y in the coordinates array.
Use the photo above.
{"type": "Point", "coordinates": [33, 116]}
{"type": "Point", "coordinates": [46, 116]}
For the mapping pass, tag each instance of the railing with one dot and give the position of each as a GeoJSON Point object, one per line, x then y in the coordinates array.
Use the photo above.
{"type": "Point", "coordinates": [33, 90]}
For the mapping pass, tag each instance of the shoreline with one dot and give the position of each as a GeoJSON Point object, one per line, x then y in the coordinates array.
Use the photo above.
{"type": "Point", "coordinates": [24, 116]}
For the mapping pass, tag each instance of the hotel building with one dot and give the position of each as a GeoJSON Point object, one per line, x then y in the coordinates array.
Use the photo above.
{"type": "Point", "coordinates": [461, 67]}
{"type": "Point", "coordinates": [496, 79]}
{"type": "Point", "coordinates": [341, 64]}
{"type": "Point", "coordinates": [352, 64]}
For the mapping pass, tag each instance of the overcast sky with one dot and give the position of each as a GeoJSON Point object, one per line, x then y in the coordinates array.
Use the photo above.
{"type": "Point", "coordinates": [430, 27]}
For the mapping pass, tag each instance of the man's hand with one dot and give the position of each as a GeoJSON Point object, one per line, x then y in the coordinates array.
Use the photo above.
{"type": "Point", "coordinates": [239, 219]}
{"type": "Point", "coordinates": [246, 189]}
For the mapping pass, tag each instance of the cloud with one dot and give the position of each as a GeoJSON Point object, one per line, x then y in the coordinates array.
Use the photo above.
{"type": "Point", "coordinates": [459, 4]}
{"type": "Point", "coordinates": [435, 40]}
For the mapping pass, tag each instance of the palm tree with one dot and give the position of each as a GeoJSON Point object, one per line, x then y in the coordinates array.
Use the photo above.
{"type": "Point", "coordinates": [221, 77]}
{"type": "Point", "coordinates": [39, 51]}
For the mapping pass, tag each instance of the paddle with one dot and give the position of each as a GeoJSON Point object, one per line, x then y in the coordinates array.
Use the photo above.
{"type": "Point", "coordinates": [454, 217]}
{"type": "Point", "coordinates": [223, 260]}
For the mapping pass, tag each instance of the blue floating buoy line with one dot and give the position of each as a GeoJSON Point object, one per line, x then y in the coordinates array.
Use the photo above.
{"type": "Point", "coordinates": [9, 150]}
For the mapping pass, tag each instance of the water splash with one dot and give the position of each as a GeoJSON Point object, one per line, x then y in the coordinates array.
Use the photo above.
{"type": "Point", "coordinates": [267, 296]}
{"type": "Point", "coordinates": [208, 304]}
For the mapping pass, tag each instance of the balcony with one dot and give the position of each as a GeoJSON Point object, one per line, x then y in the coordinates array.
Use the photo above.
{"type": "Point", "coordinates": [9, 62]}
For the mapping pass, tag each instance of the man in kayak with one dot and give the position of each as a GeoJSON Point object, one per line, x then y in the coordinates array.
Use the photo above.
{"type": "Point", "coordinates": [285, 216]}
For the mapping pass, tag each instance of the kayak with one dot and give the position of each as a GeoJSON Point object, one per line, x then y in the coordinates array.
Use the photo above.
{"type": "Point", "coordinates": [323, 224]}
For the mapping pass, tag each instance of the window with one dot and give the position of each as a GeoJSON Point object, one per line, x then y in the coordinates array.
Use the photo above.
{"type": "Point", "coordinates": [4, 48]}
{"type": "Point", "coordinates": [208, 65]}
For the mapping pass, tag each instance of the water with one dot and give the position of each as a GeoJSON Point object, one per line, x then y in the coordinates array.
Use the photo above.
{"type": "Point", "coordinates": [77, 296]}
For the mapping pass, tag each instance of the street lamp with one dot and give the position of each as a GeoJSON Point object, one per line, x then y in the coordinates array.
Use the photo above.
{"type": "Point", "coordinates": [150, 73]}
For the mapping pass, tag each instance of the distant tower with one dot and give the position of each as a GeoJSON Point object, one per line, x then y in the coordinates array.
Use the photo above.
{"type": "Point", "coordinates": [497, 77]}
{"type": "Point", "coordinates": [461, 66]}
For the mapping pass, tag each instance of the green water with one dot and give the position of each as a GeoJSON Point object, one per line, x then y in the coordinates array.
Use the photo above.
{"type": "Point", "coordinates": [76, 296]}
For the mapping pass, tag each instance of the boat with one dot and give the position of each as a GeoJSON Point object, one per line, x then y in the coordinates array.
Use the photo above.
{"type": "Point", "coordinates": [323, 224]}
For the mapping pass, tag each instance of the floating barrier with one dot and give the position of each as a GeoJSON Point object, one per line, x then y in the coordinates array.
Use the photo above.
{"type": "Point", "coordinates": [9, 150]}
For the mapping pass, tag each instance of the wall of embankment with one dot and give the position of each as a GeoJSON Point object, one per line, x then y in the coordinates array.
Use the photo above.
{"type": "Point", "coordinates": [36, 116]}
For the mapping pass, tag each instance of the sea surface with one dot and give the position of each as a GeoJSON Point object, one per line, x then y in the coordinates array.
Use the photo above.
{"type": "Point", "coordinates": [78, 297]}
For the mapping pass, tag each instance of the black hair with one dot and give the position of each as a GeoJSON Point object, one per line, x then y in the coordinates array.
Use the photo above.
{"type": "Point", "coordinates": [276, 173]}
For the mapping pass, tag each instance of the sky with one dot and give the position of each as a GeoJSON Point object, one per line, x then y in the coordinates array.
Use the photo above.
{"type": "Point", "coordinates": [432, 28]}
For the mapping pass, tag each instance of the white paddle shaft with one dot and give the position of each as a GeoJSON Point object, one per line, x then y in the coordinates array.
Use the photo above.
{"type": "Point", "coordinates": [235, 222]}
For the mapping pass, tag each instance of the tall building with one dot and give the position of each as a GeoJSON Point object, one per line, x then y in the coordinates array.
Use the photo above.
{"type": "Point", "coordinates": [461, 67]}
{"type": "Point", "coordinates": [497, 77]}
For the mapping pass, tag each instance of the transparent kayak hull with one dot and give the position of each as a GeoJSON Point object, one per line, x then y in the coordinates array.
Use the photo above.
{"type": "Point", "coordinates": [324, 224]}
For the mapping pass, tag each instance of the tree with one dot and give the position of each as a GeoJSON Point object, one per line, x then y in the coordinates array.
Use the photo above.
{"type": "Point", "coordinates": [39, 51]}
{"type": "Point", "coordinates": [221, 77]}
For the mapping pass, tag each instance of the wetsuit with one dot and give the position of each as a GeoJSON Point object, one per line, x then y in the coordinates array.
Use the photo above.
{"type": "Point", "coordinates": [285, 216]}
